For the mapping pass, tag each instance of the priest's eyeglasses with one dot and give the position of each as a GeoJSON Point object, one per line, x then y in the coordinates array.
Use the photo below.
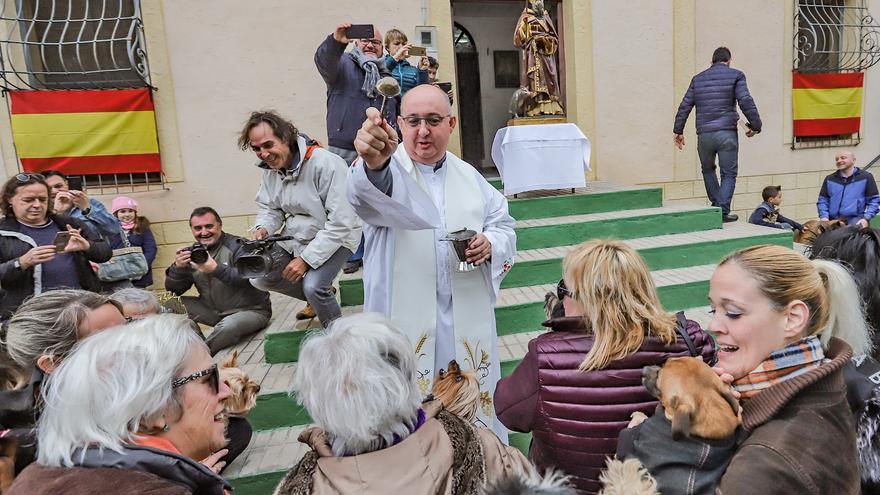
{"type": "Point", "coordinates": [432, 120]}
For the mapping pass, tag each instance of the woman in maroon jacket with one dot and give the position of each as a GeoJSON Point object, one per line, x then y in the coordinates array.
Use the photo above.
{"type": "Point", "coordinates": [579, 383]}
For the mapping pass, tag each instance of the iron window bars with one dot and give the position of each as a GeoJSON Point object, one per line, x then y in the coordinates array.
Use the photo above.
{"type": "Point", "coordinates": [833, 36]}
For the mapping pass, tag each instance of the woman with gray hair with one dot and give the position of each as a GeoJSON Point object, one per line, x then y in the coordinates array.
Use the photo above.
{"type": "Point", "coordinates": [39, 335]}
{"type": "Point", "coordinates": [357, 380]}
{"type": "Point", "coordinates": [137, 303]}
{"type": "Point", "coordinates": [128, 411]}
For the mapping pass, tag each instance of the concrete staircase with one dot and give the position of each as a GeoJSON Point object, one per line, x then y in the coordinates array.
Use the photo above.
{"type": "Point", "coordinates": [681, 245]}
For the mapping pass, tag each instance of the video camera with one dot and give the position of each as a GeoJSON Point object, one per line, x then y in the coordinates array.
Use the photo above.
{"type": "Point", "coordinates": [263, 256]}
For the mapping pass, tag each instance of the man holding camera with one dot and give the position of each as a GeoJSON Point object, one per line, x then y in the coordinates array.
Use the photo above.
{"type": "Point", "coordinates": [302, 194]}
{"type": "Point", "coordinates": [227, 301]}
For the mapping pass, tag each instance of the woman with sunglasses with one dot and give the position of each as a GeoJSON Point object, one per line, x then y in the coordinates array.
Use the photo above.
{"type": "Point", "coordinates": [579, 383]}
{"type": "Point", "coordinates": [34, 258]}
{"type": "Point", "coordinates": [130, 411]}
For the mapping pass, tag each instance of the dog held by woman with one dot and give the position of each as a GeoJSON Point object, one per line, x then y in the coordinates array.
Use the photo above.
{"type": "Point", "coordinates": [694, 426]}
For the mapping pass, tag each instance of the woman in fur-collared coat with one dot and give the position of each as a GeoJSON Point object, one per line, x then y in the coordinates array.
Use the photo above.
{"type": "Point", "coordinates": [420, 448]}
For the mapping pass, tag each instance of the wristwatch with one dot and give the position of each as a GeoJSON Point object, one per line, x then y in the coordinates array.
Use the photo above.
{"type": "Point", "coordinates": [87, 211]}
{"type": "Point", "coordinates": [17, 264]}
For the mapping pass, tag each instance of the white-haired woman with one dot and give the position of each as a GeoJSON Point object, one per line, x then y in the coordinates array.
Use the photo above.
{"type": "Point", "coordinates": [373, 434]}
{"type": "Point", "coordinates": [130, 411]}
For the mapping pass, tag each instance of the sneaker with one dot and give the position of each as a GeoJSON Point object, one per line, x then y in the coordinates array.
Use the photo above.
{"type": "Point", "coordinates": [352, 266]}
{"type": "Point", "coordinates": [308, 312]}
{"type": "Point", "coordinates": [730, 217]}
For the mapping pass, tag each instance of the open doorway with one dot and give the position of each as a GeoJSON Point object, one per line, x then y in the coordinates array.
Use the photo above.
{"type": "Point", "coordinates": [470, 117]}
{"type": "Point", "coordinates": [484, 30]}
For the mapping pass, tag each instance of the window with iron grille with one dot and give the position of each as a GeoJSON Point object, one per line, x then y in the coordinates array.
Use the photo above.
{"type": "Point", "coordinates": [833, 36]}
{"type": "Point", "coordinates": [77, 45]}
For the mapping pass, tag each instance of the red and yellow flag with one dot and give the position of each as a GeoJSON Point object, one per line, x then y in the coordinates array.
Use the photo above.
{"type": "Point", "coordinates": [85, 131]}
{"type": "Point", "coordinates": [827, 104]}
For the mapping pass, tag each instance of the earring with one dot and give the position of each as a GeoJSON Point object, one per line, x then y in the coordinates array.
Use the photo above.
{"type": "Point", "coordinates": [166, 428]}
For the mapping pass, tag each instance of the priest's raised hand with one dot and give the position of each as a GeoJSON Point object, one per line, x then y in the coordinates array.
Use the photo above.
{"type": "Point", "coordinates": [376, 141]}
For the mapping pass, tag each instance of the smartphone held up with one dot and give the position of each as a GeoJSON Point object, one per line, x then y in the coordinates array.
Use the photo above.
{"type": "Point", "coordinates": [61, 240]}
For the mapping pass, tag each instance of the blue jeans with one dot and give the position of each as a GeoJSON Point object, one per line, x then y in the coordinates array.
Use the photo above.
{"type": "Point", "coordinates": [725, 144]}
{"type": "Point", "coordinates": [359, 254]}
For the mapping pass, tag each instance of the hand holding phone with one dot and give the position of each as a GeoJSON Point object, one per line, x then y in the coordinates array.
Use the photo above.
{"type": "Point", "coordinates": [445, 86]}
{"type": "Point", "coordinates": [75, 183]}
{"type": "Point", "coordinates": [61, 240]}
{"type": "Point", "coordinates": [360, 31]}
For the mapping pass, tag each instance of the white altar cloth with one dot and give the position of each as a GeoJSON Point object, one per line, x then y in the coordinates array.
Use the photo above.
{"type": "Point", "coordinates": [546, 156]}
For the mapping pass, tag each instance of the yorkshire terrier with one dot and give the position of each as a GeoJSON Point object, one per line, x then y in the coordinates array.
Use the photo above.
{"type": "Point", "coordinates": [243, 391]}
{"type": "Point", "coordinates": [458, 390]}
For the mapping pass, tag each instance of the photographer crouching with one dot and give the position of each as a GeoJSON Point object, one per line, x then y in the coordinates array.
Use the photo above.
{"type": "Point", "coordinates": [302, 193]}
{"type": "Point", "coordinates": [227, 301]}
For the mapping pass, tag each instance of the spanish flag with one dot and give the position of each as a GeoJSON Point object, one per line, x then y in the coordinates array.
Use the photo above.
{"type": "Point", "coordinates": [827, 104]}
{"type": "Point", "coordinates": [85, 131]}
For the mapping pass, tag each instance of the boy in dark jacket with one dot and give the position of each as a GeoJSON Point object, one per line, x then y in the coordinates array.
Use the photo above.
{"type": "Point", "coordinates": [849, 194]}
{"type": "Point", "coordinates": [768, 214]}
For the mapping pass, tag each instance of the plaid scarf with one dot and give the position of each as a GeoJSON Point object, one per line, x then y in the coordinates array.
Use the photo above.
{"type": "Point", "coordinates": [792, 360]}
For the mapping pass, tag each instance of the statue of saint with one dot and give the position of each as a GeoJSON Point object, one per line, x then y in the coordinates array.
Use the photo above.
{"type": "Point", "coordinates": [537, 38]}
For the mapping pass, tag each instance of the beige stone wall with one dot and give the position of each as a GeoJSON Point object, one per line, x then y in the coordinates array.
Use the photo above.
{"type": "Point", "coordinates": [800, 191]}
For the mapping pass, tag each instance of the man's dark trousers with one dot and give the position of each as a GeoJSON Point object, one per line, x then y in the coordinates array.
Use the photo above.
{"type": "Point", "coordinates": [724, 144]}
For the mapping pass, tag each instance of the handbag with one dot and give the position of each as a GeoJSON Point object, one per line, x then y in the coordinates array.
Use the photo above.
{"type": "Point", "coordinates": [127, 263]}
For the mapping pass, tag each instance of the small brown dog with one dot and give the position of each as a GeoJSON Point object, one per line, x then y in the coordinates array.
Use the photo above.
{"type": "Point", "coordinates": [458, 390]}
{"type": "Point", "coordinates": [815, 228]}
{"type": "Point", "coordinates": [704, 416]}
{"type": "Point", "coordinates": [242, 390]}
{"type": "Point", "coordinates": [694, 398]}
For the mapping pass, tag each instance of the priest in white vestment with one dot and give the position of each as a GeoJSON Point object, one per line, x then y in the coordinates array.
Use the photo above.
{"type": "Point", "coordinates": [410, 197]}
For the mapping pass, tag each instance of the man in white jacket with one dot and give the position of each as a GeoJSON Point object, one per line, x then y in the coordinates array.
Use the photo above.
{"type": "Point", "coordinates": [302, 193]}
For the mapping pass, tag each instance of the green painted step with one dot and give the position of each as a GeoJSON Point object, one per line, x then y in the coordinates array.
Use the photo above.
{"type": "Point", "coordinates": [496, 183]}
{"type": "Point", "coordinates": [644, 224]}
{"type": "Point", "coordinates": [585, 203]}
{"type": "Point", "coordinates": [257, 484]}
{"type": "Point", "coordinates": [545, 271]}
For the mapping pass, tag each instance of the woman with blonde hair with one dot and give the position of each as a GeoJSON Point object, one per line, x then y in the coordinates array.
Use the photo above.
{"type": "Point", "coordinates": [579, 383]}
{"type": "Point", "coordinates": [785, 327]}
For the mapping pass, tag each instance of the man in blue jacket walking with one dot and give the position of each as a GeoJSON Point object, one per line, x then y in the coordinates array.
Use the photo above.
{"type": "Point", "coordinates": [848, 194]}
{"type": "Point", "coordinates": [715, 92]}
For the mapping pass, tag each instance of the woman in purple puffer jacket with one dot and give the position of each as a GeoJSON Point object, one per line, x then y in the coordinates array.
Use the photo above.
{"type": "Point", "coordinates": [579, 383]}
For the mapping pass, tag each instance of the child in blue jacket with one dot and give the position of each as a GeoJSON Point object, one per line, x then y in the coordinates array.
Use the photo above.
{"type": "Point", "coordinates": [396, 62]}
{"type": "Point", "coordinates": [768, 214]}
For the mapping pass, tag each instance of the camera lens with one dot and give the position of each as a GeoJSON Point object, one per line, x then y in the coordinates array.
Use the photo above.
{"type": "Point", "coordinates": [198, 254]}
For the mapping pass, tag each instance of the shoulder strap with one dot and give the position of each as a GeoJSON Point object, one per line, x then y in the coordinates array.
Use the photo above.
{"type": "Point", "coordinates": [681, 328]}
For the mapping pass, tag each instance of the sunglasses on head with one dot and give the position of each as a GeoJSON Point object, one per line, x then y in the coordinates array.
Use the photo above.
{"type": "Point", "coordinates": [26, 177]}
{"type": "Point", "coordinates": [562, 291]}
{"type": "Point", "coordinates": [212, 374]}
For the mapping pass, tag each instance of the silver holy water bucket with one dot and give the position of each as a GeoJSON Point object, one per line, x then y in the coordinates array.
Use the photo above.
{"type": "Point", "coordinates": [460, 240]}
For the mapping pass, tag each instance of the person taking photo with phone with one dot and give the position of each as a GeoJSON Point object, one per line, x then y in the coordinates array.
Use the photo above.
{"type": "Point", "coordinates": [69, 199]}
{"type": "Point", "coordinates": [399, 50]}
{"type": "Point", "coordinates": [42, 251]}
